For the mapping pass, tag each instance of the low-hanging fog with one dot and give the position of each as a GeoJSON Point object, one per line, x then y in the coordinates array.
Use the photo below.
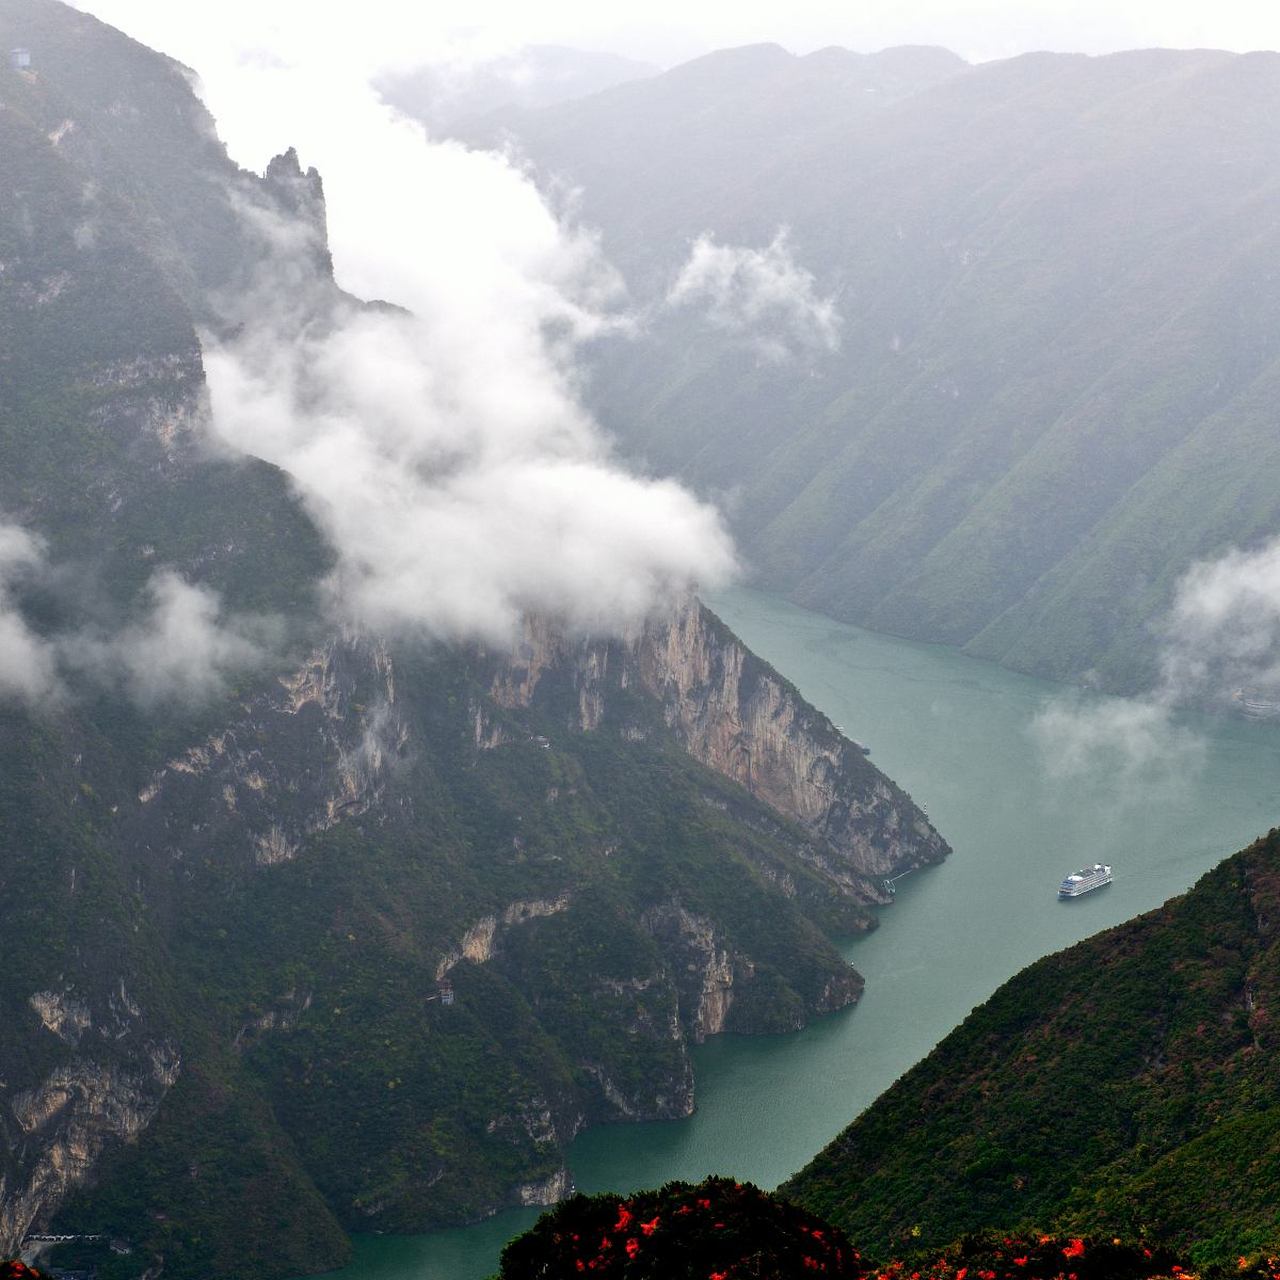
{"type": "Point", "coordinates": [441, 444]}
{"type": "Point", "coordinates": [761, 297]}
{"type": "Point", "coordinates": [180, 649]}
{"type": "Point", "coordinates": [1220, 641]}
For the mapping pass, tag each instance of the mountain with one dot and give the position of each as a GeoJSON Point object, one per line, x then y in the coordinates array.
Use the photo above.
{"type": "Point", "coordinates": [232, 1011]}
{"type": "Point", "coordinates": [1125, 1086]}
{"type": "Point", "coordinates": [537, 75]}
{"type": "Point", "coordinates": [660, 160]}
{"type": "Point", "coordinates": [361, 930]}
{"type": "Point", "coordinates": [1057, 359]}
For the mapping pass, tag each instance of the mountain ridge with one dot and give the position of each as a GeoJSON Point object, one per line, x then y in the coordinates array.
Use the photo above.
{"type": "Point", "coordinates": [1054, 279]}
{"type": "Point", "coordinates": [362, 937]}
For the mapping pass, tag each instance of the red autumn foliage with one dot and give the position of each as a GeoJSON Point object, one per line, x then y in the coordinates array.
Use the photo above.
{"type": "Point", "coordinates": [723, 1230]}
{"type": "Point", "coordinates": [717, 1230]}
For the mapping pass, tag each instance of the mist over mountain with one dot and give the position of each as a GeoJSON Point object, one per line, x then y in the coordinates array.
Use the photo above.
{"type": "Point", "coordinates": [381, 807]}
{"type": "Point", "coordinates": [355, 854]}
{"type": "Point", "coordinates": [1055, 289]}
{"type": "Point", "coordinates": [531, 77]}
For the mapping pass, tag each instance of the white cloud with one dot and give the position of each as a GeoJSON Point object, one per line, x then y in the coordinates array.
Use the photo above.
{"type": "Point", "coordinates": [1223, 632]}
{"type": "Point", "coordinates": [183, 650]}
{"type": "Point", "coordinates": [1128, 743]}
{"type": "Point", "coordinates": [1220, 638]}
{"type": "Point", "coordinates": [457, 502]}
{"type": "Point", "coordinates": [759, 295]}
{"type": "Point", "coordinates": [28, 669]}
{"type": "Point", "coordinates": [442, 447]}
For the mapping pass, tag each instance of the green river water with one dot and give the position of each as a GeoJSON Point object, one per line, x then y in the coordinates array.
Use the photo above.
{"type": "Point", "coordinates": [958, 734]}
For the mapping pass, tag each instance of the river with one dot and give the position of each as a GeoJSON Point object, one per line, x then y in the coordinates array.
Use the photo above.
{"type": "Point", "coordinates": [959, 735]}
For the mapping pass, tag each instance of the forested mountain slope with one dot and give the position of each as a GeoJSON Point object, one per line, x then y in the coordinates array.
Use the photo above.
{"type": "Point", "coordinates": [1125, 1086]}
{"type": "Point", "coordinates": [361, 936]}
{"type": "Point", "coordinates": [1057, 368]}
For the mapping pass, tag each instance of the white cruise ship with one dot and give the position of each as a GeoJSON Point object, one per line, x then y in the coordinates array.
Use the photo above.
{"type": "Point", "coordinates": [1085, 880]}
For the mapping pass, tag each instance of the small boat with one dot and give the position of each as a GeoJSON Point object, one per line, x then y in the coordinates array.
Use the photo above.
{"type": "Point", "coordinates": [1085, 880]}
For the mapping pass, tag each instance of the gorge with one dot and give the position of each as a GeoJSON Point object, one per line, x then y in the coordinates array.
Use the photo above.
{"type": "Point", "coordinates": [958, 731]}
{"type": "Point", "coordinates": [401, 819]}
{"type": "Point", "coordinates": [326, 909]}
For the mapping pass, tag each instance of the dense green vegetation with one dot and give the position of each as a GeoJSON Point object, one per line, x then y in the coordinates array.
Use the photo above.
{"type": "Point", "coordinates": [397, 1110]}
{"type": "Point", "coordinates": [318, 955]}
{"type": "Point", "coordinates": [1058, 368]}
{"type": "Point", "coordinates": [1126, 1085]}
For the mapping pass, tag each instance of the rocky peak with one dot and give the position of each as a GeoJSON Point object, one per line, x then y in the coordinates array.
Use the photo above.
{"type": "Point", "coordinates": [300, 197]}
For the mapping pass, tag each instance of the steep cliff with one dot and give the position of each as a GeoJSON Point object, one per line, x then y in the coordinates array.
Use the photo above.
{"type": "Point", "coordinates": [66, 1121]}
{"type": "Point", "coordinates": [332, 945]}
{"type": "Point", "coordinates": [421, 958]}
{"type": "Point", "coordinates": [102, 386]}
{"type": "Point", "coordinates": [739, 717]}
{"type": "Point", "coordinates": [366, 935]}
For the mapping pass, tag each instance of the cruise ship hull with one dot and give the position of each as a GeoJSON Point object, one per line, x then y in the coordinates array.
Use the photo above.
{"type": "Point", "coordinates": [1085, 881]}
{"type": "Point", "coordinates": [1079, 893]}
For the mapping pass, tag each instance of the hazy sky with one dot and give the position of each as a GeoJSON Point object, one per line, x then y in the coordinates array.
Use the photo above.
{"type": "Point", "coordinates": [669, 30]}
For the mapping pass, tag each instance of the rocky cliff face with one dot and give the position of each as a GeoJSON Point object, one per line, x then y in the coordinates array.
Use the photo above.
{"type": "Point", "coordinates": [364, 943]}
{"type": "Point", "coordinates": [108, 1080]}
{"type": "Point", "coordinates": [315, 747]}
{"type": "Point", "coordinates": [442, 847]}
{"type": "Point", "coordinates": [735, 714]}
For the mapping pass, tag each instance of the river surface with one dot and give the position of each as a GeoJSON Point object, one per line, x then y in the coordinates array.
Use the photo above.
{"type": "Point", "coordinates": [961, 735]}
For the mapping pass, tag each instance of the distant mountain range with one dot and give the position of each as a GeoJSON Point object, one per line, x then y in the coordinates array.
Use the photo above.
{"type": "Point", "coordinates": [364, 938]}
{"type": "Point", "coordinates": [1059, 353]}
{"type": "Point", "coordinates": [533, 76]}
